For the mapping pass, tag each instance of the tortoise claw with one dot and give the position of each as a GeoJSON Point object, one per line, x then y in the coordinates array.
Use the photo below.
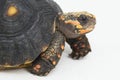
{"type": "Point", "coordinates": [77, 55]}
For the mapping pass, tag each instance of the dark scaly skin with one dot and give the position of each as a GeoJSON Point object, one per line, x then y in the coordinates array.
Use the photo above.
{"type": "Point", "coordinates": [49, 59]}
{"type": "Point", "coordinates": [80, 47]}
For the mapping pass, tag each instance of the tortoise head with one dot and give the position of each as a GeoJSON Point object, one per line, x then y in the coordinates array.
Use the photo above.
{"type": "Point", "coordinates": [77, 23]}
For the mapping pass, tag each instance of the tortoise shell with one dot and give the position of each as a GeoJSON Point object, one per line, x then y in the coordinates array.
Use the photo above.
{"type": "Point", "coordinates": [26, 33]}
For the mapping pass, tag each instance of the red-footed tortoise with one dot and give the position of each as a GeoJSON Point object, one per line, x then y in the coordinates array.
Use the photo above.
{"type": "Point", "coordinates": [33, 34]}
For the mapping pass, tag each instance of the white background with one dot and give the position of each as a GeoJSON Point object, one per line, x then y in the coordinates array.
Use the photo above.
{"type": "Point", "coordinates": [103, 63]}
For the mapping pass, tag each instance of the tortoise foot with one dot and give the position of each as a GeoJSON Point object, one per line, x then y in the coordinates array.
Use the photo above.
{"type": "Point", "coordinates": [80, 47]}
{"type": "Point", "coordinates": [82, 53]}
{"type": "Point", "coordinates": [40, 67]}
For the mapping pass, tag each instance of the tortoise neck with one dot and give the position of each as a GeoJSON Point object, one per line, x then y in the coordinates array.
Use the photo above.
{"type": "Point", "coordinates": [66, 29]}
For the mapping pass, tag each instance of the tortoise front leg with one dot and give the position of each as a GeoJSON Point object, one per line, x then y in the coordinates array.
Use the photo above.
{"type": "Point", "coordinates": [49, 59]}
{"type": "Point", "coordinates": [80, 47]}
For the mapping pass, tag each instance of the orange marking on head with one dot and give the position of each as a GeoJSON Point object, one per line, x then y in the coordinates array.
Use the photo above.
{"type": "Point", "coordinates": [79, 26]}
{"type": "Point", "coordinates": [84, 31]}
{"type": "Point", "coordinates": [72, 22]}
{"type": "Point", "coordinates": [75, 23]}
{"type": "Point", "coordinates": [62, 17]}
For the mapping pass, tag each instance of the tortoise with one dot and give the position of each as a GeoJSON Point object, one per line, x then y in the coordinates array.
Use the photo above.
{"type": "Point", "coordinates": [33, 34]}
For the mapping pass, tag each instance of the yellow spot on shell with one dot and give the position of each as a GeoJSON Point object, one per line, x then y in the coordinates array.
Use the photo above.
{"type": "Point", "coordinates": [12, 10]}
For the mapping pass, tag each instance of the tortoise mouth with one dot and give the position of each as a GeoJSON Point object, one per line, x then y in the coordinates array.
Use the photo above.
{"type": "Point", "coordinates": [85, 30]}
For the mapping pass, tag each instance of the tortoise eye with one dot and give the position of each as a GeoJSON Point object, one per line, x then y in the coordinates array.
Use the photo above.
{"type": "Point", "coordinates": [83, 19]}
{"type": "Point", "coordinates": [12, 10]}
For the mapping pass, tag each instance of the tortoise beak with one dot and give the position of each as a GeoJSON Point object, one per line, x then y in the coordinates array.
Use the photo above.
{"type": "Point", "coordinates": [84, 31]}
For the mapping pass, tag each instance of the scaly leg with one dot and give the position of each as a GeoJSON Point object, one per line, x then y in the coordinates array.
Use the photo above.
{"type": "Point", "coordinates": [80, 47]}
{"type": "Point", "coordinates": [49, 59]}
